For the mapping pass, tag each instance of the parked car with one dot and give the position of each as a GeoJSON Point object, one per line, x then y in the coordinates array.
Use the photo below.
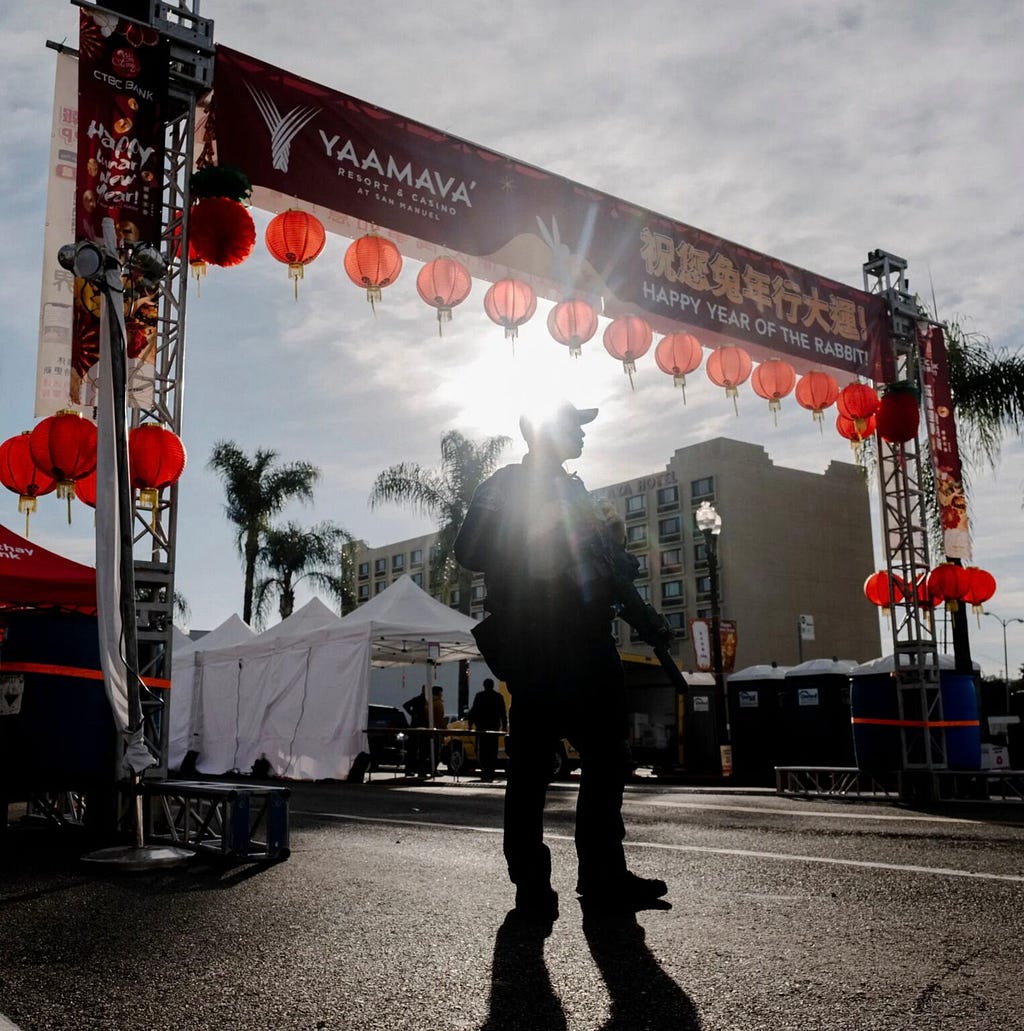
{"type": "Point", "coordinates": [458, 753]}
{"type": "Point", "coordinates": [386, 726]}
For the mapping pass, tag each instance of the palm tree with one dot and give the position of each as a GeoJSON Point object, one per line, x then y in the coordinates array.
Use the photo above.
{"type": "Point", "coordinates": [444, 494]}
{"type": "Point", "coordinates": [257, 489]}
{"type": "Point", "coordinates": [291, 554]}
{"type": "Point", "coordinates": [988, 393]}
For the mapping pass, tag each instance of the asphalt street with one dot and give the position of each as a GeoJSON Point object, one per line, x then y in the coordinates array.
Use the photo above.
{"type": "Point", "coordinates": [392, 913]}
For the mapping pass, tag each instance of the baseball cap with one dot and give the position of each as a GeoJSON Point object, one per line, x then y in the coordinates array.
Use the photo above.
{"type": "Point", "coordinates": [562, 413]}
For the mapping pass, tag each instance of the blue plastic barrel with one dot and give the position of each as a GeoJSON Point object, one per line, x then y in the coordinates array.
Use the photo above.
{"type": "Point", "coordinates": [874, 710]}
{"type": "Point", "coordinates": [960, 705]}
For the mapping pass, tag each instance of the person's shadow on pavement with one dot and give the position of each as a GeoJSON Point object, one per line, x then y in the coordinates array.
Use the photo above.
{"type": "Point", "coordinates": [643, 997]}
{"type": "Point", "coordinates": [521, 994]}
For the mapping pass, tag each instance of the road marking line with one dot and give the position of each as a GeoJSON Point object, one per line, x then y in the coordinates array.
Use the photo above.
{"type": "Point", "coordinates": [6, 1025]}
{"type": "Point", "coordinates": [799, 812]}
{"type": "Point", "coordinates": [862, 864]}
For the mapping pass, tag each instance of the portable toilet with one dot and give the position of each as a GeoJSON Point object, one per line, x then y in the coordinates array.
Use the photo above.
{"type": "Point", "coordinates": [815, 725]}
{"type": "Point", "coordinates": [754, 722]}
{"type": "Point", "coordinates": [700, 753]}
{"type": "Point", "coordinates": [879, 726]}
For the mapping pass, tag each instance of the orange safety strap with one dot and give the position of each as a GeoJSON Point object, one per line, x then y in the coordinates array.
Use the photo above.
{"type": "Point", "coordinates": [71, 671]}
{"type": "Point", "coordinates": [916, 723]}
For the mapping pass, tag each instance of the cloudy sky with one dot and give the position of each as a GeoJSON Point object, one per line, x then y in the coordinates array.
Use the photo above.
{"type": "Point", "coordinates": [814, 133]}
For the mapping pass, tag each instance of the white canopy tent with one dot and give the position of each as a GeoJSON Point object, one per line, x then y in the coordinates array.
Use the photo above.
{"type": "Point", "coordinates": [183, 696]}
{"type": "Point", "coordinates": [297, 695]}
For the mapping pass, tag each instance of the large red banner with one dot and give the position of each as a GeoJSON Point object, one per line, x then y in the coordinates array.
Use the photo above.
{"type": "Point", "coordinates": [435, 192]}
{"type": "Point", "coordinates": [122, 90]}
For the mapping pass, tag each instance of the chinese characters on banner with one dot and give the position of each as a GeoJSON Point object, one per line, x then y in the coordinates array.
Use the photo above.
{"type": "Point", "coordinates": [700, 635]}
{"type": "Point", "coordinates": [122, 86]}
{"type": "Point", "coordinates": [359, 167]}
{"type": "Point", "coordinates": [949, 489]}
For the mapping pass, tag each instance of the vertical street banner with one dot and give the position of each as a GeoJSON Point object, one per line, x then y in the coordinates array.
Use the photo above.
{"type": "Point", "coordinates": [949, 488]}
{"type": "Point", "coordinates": [359, 167]}
{"type": "Point", "coordinates": [53, 358]}
{"type": "Point", "coordinates": [700, 635]}
{"type": "Point", "coordinates": [122, 100]}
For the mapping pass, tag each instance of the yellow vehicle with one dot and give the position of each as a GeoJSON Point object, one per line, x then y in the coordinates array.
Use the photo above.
{"type": "Point", "coordinates": [458, 751]}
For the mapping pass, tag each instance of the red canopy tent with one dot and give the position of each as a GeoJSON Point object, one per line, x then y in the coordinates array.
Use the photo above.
{"type": "Point", "coordinates": [31, 575]}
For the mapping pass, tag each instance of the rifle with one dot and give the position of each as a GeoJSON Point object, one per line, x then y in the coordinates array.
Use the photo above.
{"type": "Point", "coordinates": [643, 617]}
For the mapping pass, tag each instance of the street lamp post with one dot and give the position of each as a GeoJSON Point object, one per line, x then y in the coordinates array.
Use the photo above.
{"type": "Point", "coordinates": [709, 522]}
{"type": "Point", "coordinates": [1006, 664]}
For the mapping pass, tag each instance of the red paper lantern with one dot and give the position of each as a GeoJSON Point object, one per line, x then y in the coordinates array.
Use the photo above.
{"type": "Point", "coordinates": [981, 585]}
{"type": "Point", "coordinates": [676, 355]}
{"type": "Point", "coordinates": [816, 391]}
{"type": "Point", "coordinates": [728, 367]}
{"type": "Point", "coordinates": [510, 303]}
{"type": "Point", "coordinates": [773, 380]}
{"type": "Point", "coordinates": [899, 413]}
{"type": "Point", "coordinates": [859, 402]}
{"type": "Point", "coordinates": [156, 459]}
{"type": "Point", "coordinates": [20, 474]}
{"type": "Point", "coordinates": [85, 489]}
{"type": "Point", "coordinates": [884, 591]}
{"type": "Point", "coordinates": [443, 283]}
{"type": "Point", "coordinates": [63, 446]}
{"type": "Point", "coordinates": [295, 238]}
{"type": "Point", "coordinates": [220, 232]}
{"type": "Point", "coordinates": [572, 323]}
{"type": "Point", "coordinates": [848, 428]}
{"type": "Point", "coordinates": [373, 262]}
{"type": "Point", "coordinates": [950, 583]}
{"type": "Point", "coordinates": [627, 338]}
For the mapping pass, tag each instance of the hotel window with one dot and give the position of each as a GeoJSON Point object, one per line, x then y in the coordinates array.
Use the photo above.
{"type": "Point", "coordinates": [416, 557]}
{"type": "Point", "coordinates": [417, 579]}
{"type": "Point", "coordinates": [677, 621]}
{"type": "Point", "coordinates": [454, 600]}
{"type": "Point", "coordinates": [703, 586]}
{"type": "Point", "coordinates": [644, 590]}
{"type": "Point", "coordinates": [702, 488]}
{"type": "Point", "coordinates": [379, 586]}
{"type": "Point", "coordinates": [364, 593]}
{"type": "Point", "coordinates": [636, 536]}
{"type": "Point", "coordinates": [364, 570]}
{"type": "Point", "coordinates": [672, 592]}
{"type": "Point", "coordinates": [670, 528]}
{"type": "Point", "coordinates": [642, 561]}
{"type": "Point", "coordinates": [672, 560]}
{"type": "Point", "coordinates": [700, 554]}
{"type": "Point", "coordinates": [380, 566]}
{"type": "Point", "coordinates": [668, 497]}
{"type": "Point", "coordinates": [636, 506]}
{"type": "Point", "coordinates": [397, 563]}
{"type": "Point", "coordinates": [479, 592]}
{"type": "Point", "coordinates": [477, 614]}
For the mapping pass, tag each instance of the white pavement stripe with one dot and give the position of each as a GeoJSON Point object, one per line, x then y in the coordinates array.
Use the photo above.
{"type": "Point", "coordinates": [899, 817]}
{"type": "Point", "coordinates": [863, 864]}
{"type": "Point", "coordinates": [6, 1025]}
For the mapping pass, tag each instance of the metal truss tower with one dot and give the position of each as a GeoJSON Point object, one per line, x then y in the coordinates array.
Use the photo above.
{"type": "Point", "coordinates": [904, 513]}
{"type": "Point", "coordinates": [190, 76]}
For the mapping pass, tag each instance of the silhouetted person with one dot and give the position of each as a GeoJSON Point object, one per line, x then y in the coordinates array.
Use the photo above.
{"type": "Point", "coordinates": [417, 755]}
{"type": "Point", "coordinates": [553, 564]}
{"type": "Point", "coordinates": [487, 713]}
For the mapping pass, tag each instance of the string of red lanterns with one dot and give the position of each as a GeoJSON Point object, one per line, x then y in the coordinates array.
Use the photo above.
{"type": "Point", "coordinates": [729, 367]}
{"type": "Point", "coordinates": [773, 380]}
{"type": "Point", "coordinates": [510, 303]}
{"type": "Point", "coordinates": [373, 262]}
{"type": "Point", "coordinates": [20, 474]}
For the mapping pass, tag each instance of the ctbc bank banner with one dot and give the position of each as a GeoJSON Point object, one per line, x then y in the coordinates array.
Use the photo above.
{"type": "Point", "coordinates": [363, 167]}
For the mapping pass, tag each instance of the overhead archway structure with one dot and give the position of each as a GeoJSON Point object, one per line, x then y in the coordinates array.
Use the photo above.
{"type": "Point", "coordinates": [360, 168]}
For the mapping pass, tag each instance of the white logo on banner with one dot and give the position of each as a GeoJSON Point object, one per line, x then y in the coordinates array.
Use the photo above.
{"type": "Point", "coordinates": [283, 128]}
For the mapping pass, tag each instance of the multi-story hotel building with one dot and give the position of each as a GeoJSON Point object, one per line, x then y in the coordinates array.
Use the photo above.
{"type": "Point", "coordinates": [793, 544]}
